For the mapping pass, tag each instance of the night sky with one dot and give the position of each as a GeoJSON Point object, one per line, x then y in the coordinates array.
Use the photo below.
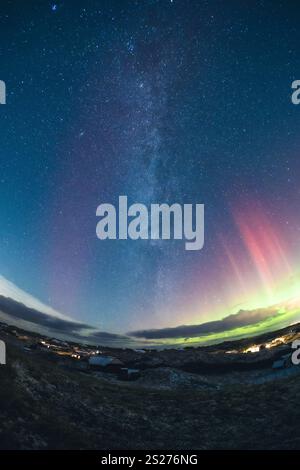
{"type": "Point", "coordinates": [163, 101]}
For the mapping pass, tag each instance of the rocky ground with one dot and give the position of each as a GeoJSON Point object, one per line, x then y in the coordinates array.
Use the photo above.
{"type": "Point", "coordinates": [46, 405]}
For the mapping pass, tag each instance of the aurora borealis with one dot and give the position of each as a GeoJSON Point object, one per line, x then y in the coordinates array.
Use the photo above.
{"type": "Point", "coordinates": [164, 101]}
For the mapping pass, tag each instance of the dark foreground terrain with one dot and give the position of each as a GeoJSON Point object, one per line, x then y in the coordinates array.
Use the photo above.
{"type": "Point", "coordinates": [47, 404]}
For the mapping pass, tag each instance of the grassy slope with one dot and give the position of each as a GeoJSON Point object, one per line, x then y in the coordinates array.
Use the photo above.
{"type": "Point", "coordinates": [44, 406]}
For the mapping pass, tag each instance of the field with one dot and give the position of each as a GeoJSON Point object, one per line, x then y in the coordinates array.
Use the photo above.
{"type": "Point", "coordinates": [45, 404]}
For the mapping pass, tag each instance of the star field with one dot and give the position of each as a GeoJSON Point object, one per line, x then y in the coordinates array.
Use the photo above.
{"type": "Point", "coordinates": [163, 101]}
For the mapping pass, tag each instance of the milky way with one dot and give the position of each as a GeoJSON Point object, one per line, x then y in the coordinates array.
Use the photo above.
{"type": "Point", "coordinates": [163, 101]}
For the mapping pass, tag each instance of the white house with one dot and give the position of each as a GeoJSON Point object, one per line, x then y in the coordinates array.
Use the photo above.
{"type": "Point", "coordinates": [104, 362]}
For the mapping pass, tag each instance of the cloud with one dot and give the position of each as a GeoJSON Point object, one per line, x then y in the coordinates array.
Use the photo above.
{"type": "Point", "coordinates": [10, 290]}
{"type": "Point", "coordinates": [25, 311]}
{"type": "Point", "coordinates": [29, 318]}
{"type": "Point", "coordinates": [240, 319]}
{"type": "Point", "coordinates": [21, 311]}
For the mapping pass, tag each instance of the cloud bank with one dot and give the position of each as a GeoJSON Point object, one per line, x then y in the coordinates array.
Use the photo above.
{"type": "Point", "coordinates": [240, 319]}
{"type": "Point", "coordinates": [25, 311]}
{"type": "Point", "coordinates": [10, 290]}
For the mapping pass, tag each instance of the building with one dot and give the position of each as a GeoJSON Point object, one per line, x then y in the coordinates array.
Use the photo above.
{"type": "Point", "coordinates": [105, 363]}
{"type": "Point", "coordinates": [284, 361]}
{"type": "Point", "coordinates": [129, 374]}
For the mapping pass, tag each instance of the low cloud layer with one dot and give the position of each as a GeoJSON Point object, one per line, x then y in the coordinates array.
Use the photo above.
{"type": "Point", "coordinates": [29, 318]}
{"type": "Point", "coordinates": [240, 319]}
{"type": "Point", "coordinates": [10, 290]}
{"type": "Point", "coordinates": [25, 311]}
